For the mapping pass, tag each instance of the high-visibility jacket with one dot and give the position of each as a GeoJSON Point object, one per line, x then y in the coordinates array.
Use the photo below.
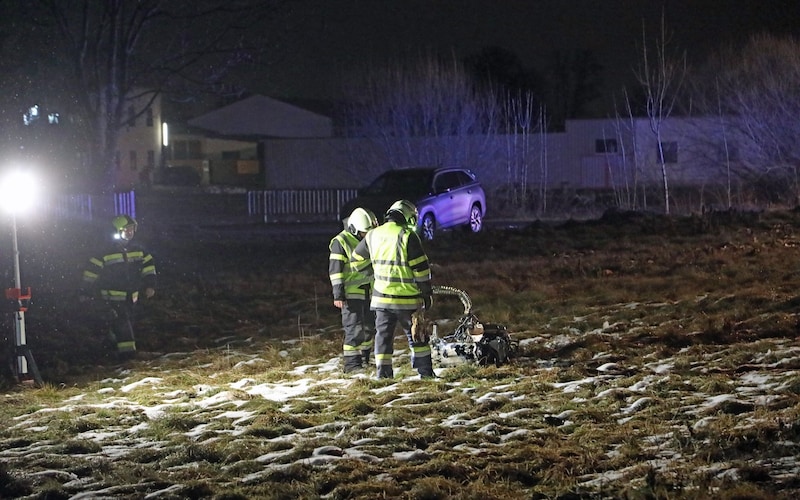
{"type": "Point", "coordinates": [399, 264]}
{"type": "Point", "coordinates": [119, 273]}
{"type": "Point", "coordinates": [347, 282]}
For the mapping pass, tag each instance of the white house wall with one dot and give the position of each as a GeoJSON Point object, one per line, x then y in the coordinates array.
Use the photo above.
{"type": "Point", "coordinates": [570, 157]}
{"type": "Point", "coordinates": [142, 140]}
{"type": "Point", "coordinates": [347, 163]}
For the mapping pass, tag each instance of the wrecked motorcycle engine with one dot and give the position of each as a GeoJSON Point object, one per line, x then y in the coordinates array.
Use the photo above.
{"type": "Point", "coordinates": [472, 341]}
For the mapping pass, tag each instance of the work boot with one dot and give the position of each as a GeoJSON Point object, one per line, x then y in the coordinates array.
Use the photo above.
{"type": "Point", "coordinates": [384, 372]}
{"type": "Point", "coordinates": [352, 364]}
{"type": "Point", "coordinates": [365, 357]}
{"type": "Point", "coordinates": [424, 367]}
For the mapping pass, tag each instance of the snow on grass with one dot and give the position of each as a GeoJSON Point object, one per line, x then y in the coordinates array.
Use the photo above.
{"type": "Point", "coordinates": [125, 411]}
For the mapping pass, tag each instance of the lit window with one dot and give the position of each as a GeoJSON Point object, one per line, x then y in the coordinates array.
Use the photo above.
{"type": "Point", "coordinates": [31, 115]}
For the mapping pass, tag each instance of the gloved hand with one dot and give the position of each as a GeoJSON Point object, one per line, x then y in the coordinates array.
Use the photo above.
{"type": "Point", "coordinates": [149, 292]}
{"type": "Point", "coordinates": [427, 302]}
{"type": "Point", "coordinates": [421, 327]}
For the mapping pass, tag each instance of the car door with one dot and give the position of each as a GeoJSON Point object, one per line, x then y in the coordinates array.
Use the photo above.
{"type": "Point", "coordinates": [451, 201]}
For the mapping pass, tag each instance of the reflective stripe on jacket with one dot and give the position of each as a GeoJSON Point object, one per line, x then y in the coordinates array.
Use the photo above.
{"type": "Point", "coordinates": [399, 264]}
{"type": "Point", "coordinates": [347, 282]}
{"type": "Point", "coordinates": [119, 274]}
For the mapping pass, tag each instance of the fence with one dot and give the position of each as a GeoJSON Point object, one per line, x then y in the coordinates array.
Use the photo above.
{"type": "Point", "coordinates": [295, 205]}
{"type": "Point", "coordinates": [88, 207]}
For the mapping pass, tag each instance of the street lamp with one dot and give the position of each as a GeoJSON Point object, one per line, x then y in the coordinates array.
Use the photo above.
{"type": "Point", "coordinates": [17, 195]}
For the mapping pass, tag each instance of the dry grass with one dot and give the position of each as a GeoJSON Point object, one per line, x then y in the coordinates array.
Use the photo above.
{"type": "Point", "coordinates": [658, 360]}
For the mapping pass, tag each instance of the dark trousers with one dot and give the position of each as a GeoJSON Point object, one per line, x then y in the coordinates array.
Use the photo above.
{"type": "Point", "coordinates": [119, 322]}
{"type": "Point", "coordinates": [359, 331]}
{"type": "Point", "coordinates": [386, 322]}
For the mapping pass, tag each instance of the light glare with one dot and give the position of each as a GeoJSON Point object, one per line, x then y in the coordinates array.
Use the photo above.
{"type": "Point", "coordinates": [17, 191]}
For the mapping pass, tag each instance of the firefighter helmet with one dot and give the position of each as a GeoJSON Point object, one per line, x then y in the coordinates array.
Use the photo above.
{"type": "Point", "coordinates": [124, 226]}
{"type": "Point", "coordinates": [403, 212]}
{"type": "Point", "coordinates": [361, 220]}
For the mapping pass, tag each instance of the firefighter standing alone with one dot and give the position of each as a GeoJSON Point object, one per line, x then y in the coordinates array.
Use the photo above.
{"type": "Point", "coordinates": [118, 276]}
{"type": "Point", "coordinates": [351, 291]}
{"type": "Point", "coordinates": [402, 285]}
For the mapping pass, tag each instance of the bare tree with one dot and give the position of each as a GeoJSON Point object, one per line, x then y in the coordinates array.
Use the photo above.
{"type": "Point", "coordinates": [426, 111]}
{"type": "Point", "coordinates": [519, 128]}
{"type": "Point", "coordinates": [661, 77]}
{"type": "Point", "coordinates": [628, 185]}
{"type": "Point", "coordinates": [755, 93]}
{"type": "Point", "coordinates": [117, 54]}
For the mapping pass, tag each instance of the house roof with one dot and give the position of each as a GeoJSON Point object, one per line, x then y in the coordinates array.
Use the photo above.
{"type": "Point", "coordinates": [261, 116]}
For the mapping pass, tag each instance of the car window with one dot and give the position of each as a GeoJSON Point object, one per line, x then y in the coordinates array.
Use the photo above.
{"type": "Point", "coordinates": [464, 178]}
{"type": "Point", "coordinates": [407, 183]}
{"type": "Point", "coordinates": [446, 181]}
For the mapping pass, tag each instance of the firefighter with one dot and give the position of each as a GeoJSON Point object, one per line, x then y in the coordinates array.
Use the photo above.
{"type": "Point", "coordinates": [402, 285]}
{"type": "Point", "coordinates": [351, 291]}
{"type": "Point", "coordinates": [118, 277]}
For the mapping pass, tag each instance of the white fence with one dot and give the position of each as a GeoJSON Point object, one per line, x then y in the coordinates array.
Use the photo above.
{"type": "Point", "coordinates": [299, 205]}
{"type": "Point", "coordinates": [286, 205]}
{"type": "Point", "coordinates": [88, 207]}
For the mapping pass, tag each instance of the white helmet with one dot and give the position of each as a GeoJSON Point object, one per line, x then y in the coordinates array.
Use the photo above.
{"type": "Point", "coordinates": [404, 213]}
{"type": "Point", "coordinates": [361, 221]}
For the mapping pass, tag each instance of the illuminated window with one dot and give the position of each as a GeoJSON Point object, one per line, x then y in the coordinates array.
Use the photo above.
{"type": "Point", "coordinates": [605, 146]}
{"type": "Point", "coordinates": [670, 151]}
{"type": "Point", "coordinates": [31, 115]}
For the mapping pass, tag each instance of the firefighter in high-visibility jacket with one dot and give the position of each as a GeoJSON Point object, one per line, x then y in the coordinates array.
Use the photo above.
{"type": "Point", "coordinates": [402, 285]}
{"type": "Point", "coordinates": [118, 277]}
{"type": "Point", "coordinates": [351, 291]}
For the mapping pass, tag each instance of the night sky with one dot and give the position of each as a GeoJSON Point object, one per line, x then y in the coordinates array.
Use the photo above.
{"type": "Point", "coordinates": [325, 37]}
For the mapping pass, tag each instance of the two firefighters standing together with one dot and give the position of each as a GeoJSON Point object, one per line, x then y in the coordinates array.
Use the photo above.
{"type": "Point", "coordinates": [380, 276]}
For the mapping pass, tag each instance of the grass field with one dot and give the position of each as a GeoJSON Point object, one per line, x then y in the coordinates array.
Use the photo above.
{"type": "Point", "coordinates": [658, 359]}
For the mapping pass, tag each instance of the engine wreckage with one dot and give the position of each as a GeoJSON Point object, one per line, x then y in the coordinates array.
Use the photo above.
{"type": "Point", "coordinates": [472, 341]}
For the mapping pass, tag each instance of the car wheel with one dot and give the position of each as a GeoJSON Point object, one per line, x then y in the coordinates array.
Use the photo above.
{"type": "Point", "coordinates": [428, 227]}
{"type": "Point", "coordinates": [475, 219]}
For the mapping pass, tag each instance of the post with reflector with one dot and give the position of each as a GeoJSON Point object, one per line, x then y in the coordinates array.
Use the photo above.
{"type": "Point", "coordinates": [16, 194]}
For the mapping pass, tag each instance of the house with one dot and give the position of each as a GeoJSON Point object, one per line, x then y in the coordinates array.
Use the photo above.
{"type": "Point", "coordinates": [224, 144]}
{"type": "Point", "coordinates": [218, 147]}
{"type": "Point", "coordinates": [139, 149]}
{"type": "Point", "coordinates": [588, 154]}
{"type": "Point", "coordinates": [260, 142]}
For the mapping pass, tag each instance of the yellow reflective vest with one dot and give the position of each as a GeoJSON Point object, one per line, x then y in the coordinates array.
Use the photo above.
{"type": "Point", "coordinates": [347, 282]}
{"type": "Point", "coordinates": [399, 264]}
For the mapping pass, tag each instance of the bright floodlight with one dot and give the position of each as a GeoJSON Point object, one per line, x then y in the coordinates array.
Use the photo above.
{"type": "Point", "coordinates": [17, 191]}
